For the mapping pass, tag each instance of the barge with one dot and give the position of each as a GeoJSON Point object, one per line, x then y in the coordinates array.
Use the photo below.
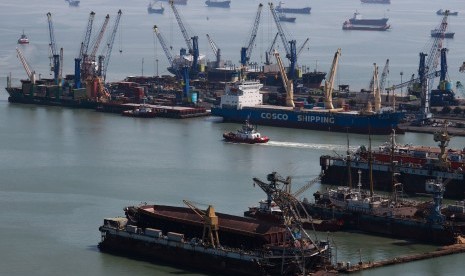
{"type": "Point", "coordinates": [209, 241]}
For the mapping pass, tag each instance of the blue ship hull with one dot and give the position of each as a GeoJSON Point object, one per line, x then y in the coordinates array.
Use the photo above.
{"type": "Point", "coordinates": [311, 119]}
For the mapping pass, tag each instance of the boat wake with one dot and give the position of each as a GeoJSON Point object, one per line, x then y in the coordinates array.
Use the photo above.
{"type": "Point", "coordinates": [308, 146]}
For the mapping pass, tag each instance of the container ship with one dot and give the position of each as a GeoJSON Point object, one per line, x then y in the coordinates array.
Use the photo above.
{"type": "Point", "coordinates": [281, 9]}
{"type": "Point", "coordinates": [209, 241]}
{"type": "Point", "coordinates": [242, 100]}
{"type": "Point", "coordinates": [413, 164]}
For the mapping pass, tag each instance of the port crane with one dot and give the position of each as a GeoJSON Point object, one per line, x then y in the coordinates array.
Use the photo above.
{"type": "Point", "coordinates": [83, 51]}
{"type": "Point", "coordinates": [29, 72]}
{"type": "Point", "coordinates": [89, 62]}
{"type": "Point", "coordinates": [246, 51]}
{"type": "Point", "coordinates": [270, 50]}
{"type": "Point", "coordinates": [289, 45]}
{"type": "Point", "coordinates": [288, 85]}
{"type": "Point", "coordinates": [55, 56]}
{"type": "Point", "coordinates": [194, 46]}
{"type": "Point", "coordinates": [329, 83]}
{"type": "Point", "coordinates": [216, 50]}
{"type": "Point", "coordinates": [104, 59]}
{"type": "Point", "coordinates": [210, 226]}
{"type": "Point", "coordinates": [168, 55]}
{"type": "Point", "coordinates": [382, 80]}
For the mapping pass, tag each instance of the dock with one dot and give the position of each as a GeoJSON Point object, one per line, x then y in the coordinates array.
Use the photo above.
{"type": "Point", "coordinates": [442, 251]}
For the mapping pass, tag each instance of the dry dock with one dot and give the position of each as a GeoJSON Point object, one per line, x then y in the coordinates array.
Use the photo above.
{"type": "Point", "coordinates": [442, 251]}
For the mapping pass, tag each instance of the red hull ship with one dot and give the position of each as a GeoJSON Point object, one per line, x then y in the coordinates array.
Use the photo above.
{"type": "Point", "coordinates": [248, 134]}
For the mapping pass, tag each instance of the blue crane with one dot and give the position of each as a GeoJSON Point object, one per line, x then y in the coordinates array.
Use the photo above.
{"type": "Point", "coordinates": [194, 46]}
{"type": "Point", "coordinates": [104, 59]}
{"type": "Point", "coordinates": [53, 50]}
{"type": "Point", "coordinates": [168, 55]}
{"type": "Point", "coordinates": [83, 51]}
{"type": "Point", "coordinates": [246, 52]}
{"type": "Point", "coordinates": [289, 45]}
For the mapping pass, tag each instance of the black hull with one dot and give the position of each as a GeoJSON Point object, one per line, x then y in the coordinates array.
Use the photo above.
{"type": "Point", "coordinates": [371, 22]}
{"type": "Point", "coordinates": [54, 102]}
{"type": "Point", "coordinates": [158, 253]}
{"type": "Point", "coordinates": [402, 228]}
{"type": "Point", "coordinates": [413, 179]}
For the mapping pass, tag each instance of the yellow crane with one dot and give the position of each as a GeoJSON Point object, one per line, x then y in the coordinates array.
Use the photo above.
{"type": "Point", "coordinates": [210, 226]}
{"type": "Point", "coordinates": [329, 83]}
{"type": "Point", "coordinates": [288, 85]}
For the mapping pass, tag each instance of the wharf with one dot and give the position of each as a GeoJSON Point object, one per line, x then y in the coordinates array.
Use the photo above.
{"type": "Point", "coordinates": [442, 251]}
{"type": "Point", "coordinates": [176, 112]}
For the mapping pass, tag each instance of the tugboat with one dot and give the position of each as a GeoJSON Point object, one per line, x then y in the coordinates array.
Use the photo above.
{"type": "Point", "coordinates": [248, 134]}
{"type": "Point", "coordinates": [23, 39]}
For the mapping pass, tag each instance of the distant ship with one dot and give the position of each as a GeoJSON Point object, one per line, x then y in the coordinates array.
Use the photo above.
{"type": "Point", "coordinates": [151, 9]}
{"type": "Point", "coordinates": [280, 8]}
{"type": "Point", "coordinates": [376, 1]}
{"type": "Point", "coordinates": [313, 79]}
{"type": "Point", "coordinates": [348, 26]}
{"type": "Point", "coordinates": [218, 3]}
{"type": "Point", "coordinates": [358, 20]}
{"type": "Point", "coordinates": [443, 12]}
{"type": "Point", "coordinates": [73, 3]}
{"type": "Point", "coordinates": [284, 18]}
{"type": "Point", "coordinates": [23, 39]}
{"type": "Point", "coordinates": [176, 2]}
{"type": "Point", "coordinates": [437, 33]}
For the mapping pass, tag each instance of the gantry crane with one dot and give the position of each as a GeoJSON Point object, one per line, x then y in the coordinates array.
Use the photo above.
{"type": "Point", "coordinates": [168, 55]}
{"type": "Point", "coordinates": [83, 51]}
{"type": "Point", "coordinates": [216, 50]}
{"type": "Point", "coordinates": [55, 56]}
{"type": "Point", "coordinates": [329, 83]}
{"type": "Point", "coordinates": [210, 226]}
{"type": "Point", "coordinates": [288, 85]}
{"type": "Point", "coordinates": [194, 46]}
{"type": "Point", "coordinates": [289, 45]}
{"type": "Point", "coordinates": [104, 59]}
{"type": "Point", "coordinates": [29, 72]}
{"type": "Point", "coordinates": [246, 51]}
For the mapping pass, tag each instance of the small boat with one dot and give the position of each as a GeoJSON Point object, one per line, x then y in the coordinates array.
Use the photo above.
{"type": "Point", "coordinates": [219, 4]}
{"type": "Point", "coordinates": [358, 20]}
{"type": "Point", "coordinates": [437, 33]}
{"type": "Point", "coordinates": [73, 3]}
{"type": "Point", "coordinates": [348, 26]}
{"type": "Point", "coordinates": [443, 12]}
{"type": "Point", "coordinates": [142, 111]}
{"type": "Point", "coordinates": [23, 39]}
{"type": "Point", "coordinates": [248, 134]}
{"type": "Point", "coordinates": [151, 9]}
{"type": "Point", "coordinates": [376, 1]}
{"type": "Point", "coordinates": [280, 8]}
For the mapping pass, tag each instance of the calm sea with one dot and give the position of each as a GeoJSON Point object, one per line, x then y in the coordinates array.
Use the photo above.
{"type": "Point", "coordinates": [63, 170]}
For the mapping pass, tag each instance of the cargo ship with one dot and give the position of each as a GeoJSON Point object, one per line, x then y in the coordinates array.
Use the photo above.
{"type": "Point", "coordinates": [443, 12]}
{"type": "Point", "coordinates": [242, 100]}
{"type": "Point", "coordinates": [437, 33]}
{"type": "Point", "coordinates": [281, 9]}
{"type": "Point", "coordinates": [414, 165]}
{"type": "Point", "coordinates": [151, 9]}
{"type": "Point", "coordinates": [376, 1]}
{"type": "Point", "coordinates": [209, 241]}
{"type": "Point", "coordinates": [349, 26]}
{"type": "Point", "coordinates": [357, 19]}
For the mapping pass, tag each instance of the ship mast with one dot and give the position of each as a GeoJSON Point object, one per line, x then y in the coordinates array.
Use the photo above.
{"type": "Point", "coordinates": [370, 165]}
{"type": "Point", "coordinates": [349, 169]}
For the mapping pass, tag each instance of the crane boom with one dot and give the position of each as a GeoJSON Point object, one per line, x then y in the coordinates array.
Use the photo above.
{"type": "Point", "coordinates": [211, 225]}
{"type": "Point", "coordinates": [53, 49]}
{"type": "Point", "coordinates": [212, 45]}
{"type": "Point", "coordinates": [435, 51]}
{"type": "Point", "coordinates": [288, 85]}
{"type": "Point", "coordinates": [168, 55]}
{"type": "Point", "coordinates": [109, 46]}
{"type": "Point", "coordinates": [97, 41]}
{"type": "Point", "coordinates": [269, 52]}
{"type": "Point", "coordinates": [187, 39]}
{"type": "Point", "coordinates": [30, 74]}
{"type": "Point", "coordinates": [302, 46]}
{"type": "Point", "coordinates": [246, 52]}
{"type": "Point", "coordinates": [307, 186]}
{"type": "Point", "coordinates": [85, 44]}
{"type": "Point", "coordinates": [329, 83]}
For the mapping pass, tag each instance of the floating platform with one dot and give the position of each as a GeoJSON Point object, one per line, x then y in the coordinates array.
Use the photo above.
{"type": "Point", "coordinates": [176, 112]}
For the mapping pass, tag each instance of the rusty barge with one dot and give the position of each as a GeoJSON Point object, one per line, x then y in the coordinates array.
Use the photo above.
{"type": "Point", "coordinates": [209, 241]}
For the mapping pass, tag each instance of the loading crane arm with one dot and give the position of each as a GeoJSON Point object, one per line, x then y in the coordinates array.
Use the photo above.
{"type": "Point", "coordinates": [168, 55]}
{"type": "Point", "coordinates": [29, 72]}
{"type": "Point", "coordinates": [55, 57]}
{"type": "Point", "coordinates": [307, 186]}
{"type": "Point", "coordinates": [302, 46]}
{"type": "Point", "coordinates": [270, 50]}
{"type": "Point", "coordinates": [215, 50]}
{"type": "Point", "coordinates": [89, 62]}
{"type": "Point", "coordinates": [246, 52]}
{"type": "Point", "coordinates": [109, 47]}
{"type": "Point", "coordinates": [329, 83]}
{"type": "Point", "coordinates": [211, 225]}
{"type": "Point", "coordinates": [288, 85]}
